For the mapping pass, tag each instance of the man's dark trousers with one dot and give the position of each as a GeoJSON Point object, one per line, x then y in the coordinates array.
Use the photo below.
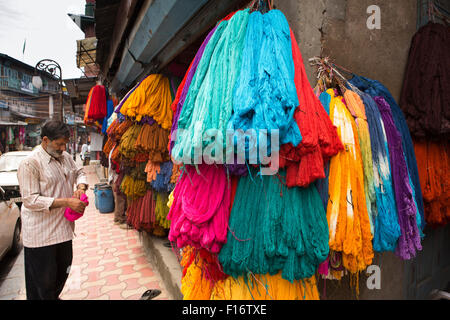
{"type": "Point", "coordinates": [46, 270]}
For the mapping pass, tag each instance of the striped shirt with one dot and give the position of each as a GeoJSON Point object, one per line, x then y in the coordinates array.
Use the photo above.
{"type": "Point", "coordinates": [42, 179]}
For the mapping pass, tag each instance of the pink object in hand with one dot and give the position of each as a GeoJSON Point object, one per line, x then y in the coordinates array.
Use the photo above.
{"type": "Point", "coordinates": [72, 215]}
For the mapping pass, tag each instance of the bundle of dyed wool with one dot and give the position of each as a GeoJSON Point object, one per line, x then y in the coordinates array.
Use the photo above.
{"type": "Point", "coordinates": [127, 142]}
{"type": "Point", "coordinates": [208, 103]}
{"type": "Point", "coordinates": [162, 210]}
{"type": "Point", "coordinates": [403, 167]}
{"type": "Point", "coordinates": [425, 96]}
{"type": "Point", "coordinates": [305, 163]}
{"type": "Point", "coordinates": [162, 181]}
{"type": "Point", "coordinates": [152, 169]}
{"type": "Point", "coordinates": [248, 76]}
{"type": "Point", "coordinates": [133, 188]}
{"type": "Point", "coordinates": [386, 229]}
{"type": "Point", "coordinates": [184, 87]}
{"type": "Point", "coordinates": [152, 98]}
{"type": "Point", "coordinates": [274, 228]}
{"type": "Point", "coordinates": [356, 107]}
{"type": "Point", "coordinates": [200, 210]}
{"type": "Point", "coordinates": [141, 213]}
{"type": "Point", "coordinates": [200, 272]}
{"type": "Point", "coordinates": [96, 108]}
{"type": "Point", "coordinates": [433, 160]}
{"type": "Point", "coordinates": [265, 96]}
{"type": "Point", "coordinates": [265, 287]}
{"type": "Point", "coordinates": [376, 89]}
{"type": "Point", "coordinates": [153, 139]}
{"type": "Point", "coordinates": [347, 214]}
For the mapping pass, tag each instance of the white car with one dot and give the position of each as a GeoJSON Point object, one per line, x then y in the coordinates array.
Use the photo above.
{"type": "Point", "coordinates": [10, 226]}
{"type": "Point", "coordinates": [9, 163]}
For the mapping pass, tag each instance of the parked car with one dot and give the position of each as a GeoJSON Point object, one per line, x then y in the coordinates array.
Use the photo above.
{"type": "Point", "coordinates": [10, 226]}
{"type": "Point", "coordinates": [9, 163]}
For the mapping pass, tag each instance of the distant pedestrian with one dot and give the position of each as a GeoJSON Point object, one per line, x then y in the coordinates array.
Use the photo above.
{"type": "Point", "coordinates": [47, 178]}
{"type": "Point", "coordinates": [86, 153]}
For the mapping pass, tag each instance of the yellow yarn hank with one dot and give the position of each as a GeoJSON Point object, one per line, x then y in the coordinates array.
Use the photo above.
{"type": "Point", "coordinates": [193, 285]}
{"type": "Point", "coordinates": [128, 140]}
{"type": "Point", "coordinates": [132, 188]}
{"type": "Point", "coordinates": [348, 219]}
{"type": "Point", "coordinates": [151, 98]}
{"type": "Point", "coordinates": [170, 200]}
{"type": "Point", "coordinates": [265, 287]}
{"type": "Point", "coordinates": [161, 210]}
{"type": "Point", "coordinates": [357, 109]}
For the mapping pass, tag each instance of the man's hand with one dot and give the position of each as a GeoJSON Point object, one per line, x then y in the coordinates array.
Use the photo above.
{"type": "Point", "coordinates": [77, 194]}
{"type": "Point", "coordinates": [76, 205]}
{"type": "Point", "coordinates": [81, 188]}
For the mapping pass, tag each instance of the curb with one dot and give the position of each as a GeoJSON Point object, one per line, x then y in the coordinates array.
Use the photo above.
{"type": "Point", "coordinates": [164, 261]}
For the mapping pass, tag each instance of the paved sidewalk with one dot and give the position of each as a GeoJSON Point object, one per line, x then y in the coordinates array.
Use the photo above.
{"type": "Point", "coordinates": [109, 263]}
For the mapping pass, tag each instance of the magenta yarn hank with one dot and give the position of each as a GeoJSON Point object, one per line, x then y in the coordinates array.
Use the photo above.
{"type": "Point", "coordinates": [201, 208]}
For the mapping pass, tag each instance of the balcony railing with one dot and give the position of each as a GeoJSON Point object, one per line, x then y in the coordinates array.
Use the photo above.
{"type": "Point", "coordinates": [8, 83]}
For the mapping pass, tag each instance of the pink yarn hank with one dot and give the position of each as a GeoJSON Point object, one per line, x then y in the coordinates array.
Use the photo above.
{"type": "Point", "coordinates": [72, 215]}
{"type": "Point", "coordinates": [201, 208]}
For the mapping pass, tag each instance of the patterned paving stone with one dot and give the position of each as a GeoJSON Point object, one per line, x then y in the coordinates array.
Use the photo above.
{"type": "Point", "coordinates": [111, 261]}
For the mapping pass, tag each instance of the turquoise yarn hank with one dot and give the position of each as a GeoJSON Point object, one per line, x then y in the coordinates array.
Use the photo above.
{"type": "Point", "coordinates": [273, 228]}
{"type": "Point", "coordinates": [208, 102]}
{"type": "Point", "coordinates": [265, 95]}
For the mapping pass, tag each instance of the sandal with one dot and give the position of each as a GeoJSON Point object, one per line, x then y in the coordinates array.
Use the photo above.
{"type": "Point", "coordinates": [167, 244]}
{"type": "Point", "coordinates": [150, 294]}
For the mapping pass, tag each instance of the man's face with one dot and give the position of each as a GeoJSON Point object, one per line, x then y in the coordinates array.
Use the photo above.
{"type": "Point", "coordinates": [56, 147]}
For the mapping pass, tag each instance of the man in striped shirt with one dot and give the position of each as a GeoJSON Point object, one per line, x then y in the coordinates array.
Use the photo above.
{"type": "Point", "coordinates": [47, 178]}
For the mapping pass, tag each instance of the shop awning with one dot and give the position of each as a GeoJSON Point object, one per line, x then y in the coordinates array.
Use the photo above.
{"type": "Point", "coordinates": [163, 30]}
{"type": "Point", "coordinates": [18, 123]}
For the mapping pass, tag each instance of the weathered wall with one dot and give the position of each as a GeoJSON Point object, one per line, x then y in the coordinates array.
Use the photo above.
{"type": "Point", "coordinates": [378, 54]}
{"type": "Point", "coordinates": [339, 28]}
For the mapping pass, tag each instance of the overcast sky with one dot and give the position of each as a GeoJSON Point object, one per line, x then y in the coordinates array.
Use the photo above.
{"type": "Point", "coordinates": [48, 30]}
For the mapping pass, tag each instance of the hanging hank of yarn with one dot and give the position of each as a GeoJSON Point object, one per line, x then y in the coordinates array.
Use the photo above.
{"type": "Point", "coordinates": [265, 287]}
{"type": "Point", "coordinates": [409, 241]}
{"type": "Point", "coordinates": [265, 96]}
{"type": "Point", "coordinates": [347, 215]}
{"type": "Point", "coordinates": [201, 207]}
{"type": "Point", "coordinates": [274, 228]}
{"type": "Point", "coordinates": [376, 88]}
{"type": "Point", "coordinates": [305, 163]}
{"type": "Point", "coordinates": [385, 221]}
{"type": "Point", "coordinates": [161, 209]}
{"type": "Point", "coordinates": [433, 161]}
{"type": "Point", "coordinates": [356, 107]}
{"type": "Point", "coordinates": [151, 98]}
{"type": "Point", "coordinates": [127, 142]}
{"type": "Point", "coordinates": [162, 181]}
{"type": "Point", "coordinates": [183, 88]}
{"type": "Point", "coordinates": [208, 103]}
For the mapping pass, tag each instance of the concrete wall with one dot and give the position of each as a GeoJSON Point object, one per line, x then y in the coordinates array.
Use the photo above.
{"type": "Point", "coordinates": [338, 28]}
{"type": "Point", "coordinates": [342, 27]}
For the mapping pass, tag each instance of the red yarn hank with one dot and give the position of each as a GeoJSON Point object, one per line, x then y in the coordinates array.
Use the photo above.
{"type": "Point", "coordinates": [320, 141]}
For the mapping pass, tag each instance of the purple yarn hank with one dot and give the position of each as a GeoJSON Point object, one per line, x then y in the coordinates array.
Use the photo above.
{"type": "Point", "coordinates": [409, 240]}
{"type": "Point", "coordinates": [187, 83]}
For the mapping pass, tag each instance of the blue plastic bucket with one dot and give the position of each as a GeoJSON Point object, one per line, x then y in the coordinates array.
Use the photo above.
{"type": "Point", "coordinates": [104, 198]}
